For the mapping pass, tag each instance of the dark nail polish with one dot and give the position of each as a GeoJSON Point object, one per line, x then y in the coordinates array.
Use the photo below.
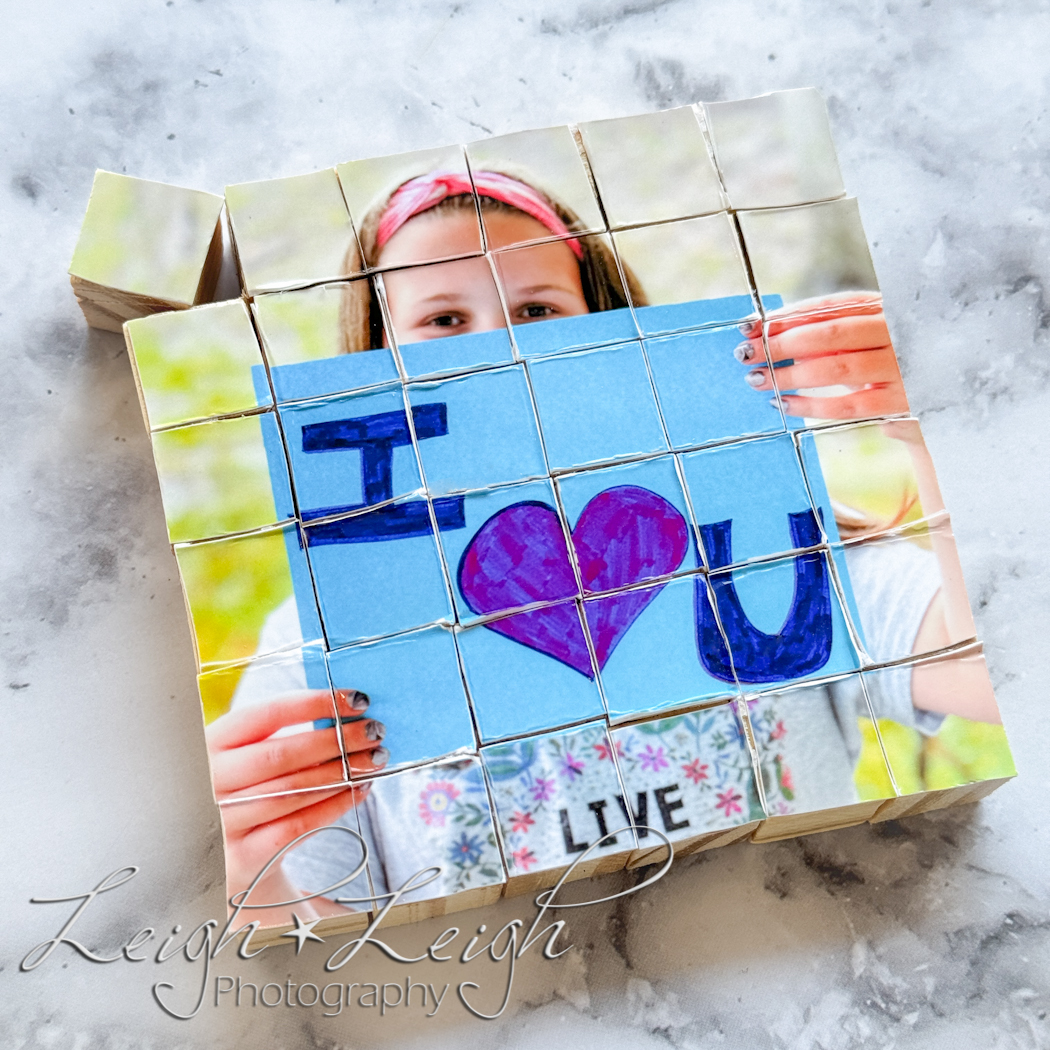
{"type": "Point", "coordinates": [757, 378]}
{"type": "Point", "coordinates": [380, 756]}
{"type": "Point", "coordinates": [374, 730]}
{"type": "Point", "coordinates": [359, 701]}
{"type": "Point", "coordinates": [744, 352]}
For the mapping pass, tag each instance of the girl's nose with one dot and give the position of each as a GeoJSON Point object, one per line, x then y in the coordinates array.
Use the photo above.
{"type": "Point", "coordinates": [487, 318]}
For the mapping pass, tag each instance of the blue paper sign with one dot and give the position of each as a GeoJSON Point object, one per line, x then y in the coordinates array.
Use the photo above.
{"type": "Point", "coordinates": [621, 590]}
{"type": "Point", "coordinates": [596, 405]}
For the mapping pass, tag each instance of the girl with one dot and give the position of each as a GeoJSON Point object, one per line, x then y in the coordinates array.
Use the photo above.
{"type": "Point", "coordinates": [433, 217]}
{"type": "Point", "coordinates": [840, 341]}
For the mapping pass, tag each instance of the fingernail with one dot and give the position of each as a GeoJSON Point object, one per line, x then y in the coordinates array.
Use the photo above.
{"type": "Point", "coordinates": [359, 701]}
{"type": "Point", "coordinates": [757, 378]}
{"type": "Point", "coordinates": [744, 352]}
{"type": "Point", "coordinates": [380, 756]}
{"type": "Point", "coordinates": [773, 402]}
{"type": "Point", "coordinates": [374, 730]}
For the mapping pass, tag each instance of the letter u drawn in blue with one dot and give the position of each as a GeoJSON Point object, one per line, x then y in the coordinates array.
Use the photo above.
{"type": "Point", "coordinates": [803, 643]}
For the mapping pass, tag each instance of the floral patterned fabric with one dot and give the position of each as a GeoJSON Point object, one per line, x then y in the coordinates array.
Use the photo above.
{"type": "Point", "coordinates": [689, 774]}
{"type": "Point", "coordinates": [443, 811]}
{"type": "Point", "coordinates": [556, 795]}
{"type": "Point", "coordinates": [807, 740]}
{"type": "Point", "coordinates": [772, 742]}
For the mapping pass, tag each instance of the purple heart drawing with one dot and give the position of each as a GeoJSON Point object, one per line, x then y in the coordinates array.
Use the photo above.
{"type": "Point", "coordinates": [625, 535]}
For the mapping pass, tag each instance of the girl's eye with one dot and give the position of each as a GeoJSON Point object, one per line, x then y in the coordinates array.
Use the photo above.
{"type": "Point", "coordinates": [535, 311]}
{"type": "Point", "coordinates": [446, 321]}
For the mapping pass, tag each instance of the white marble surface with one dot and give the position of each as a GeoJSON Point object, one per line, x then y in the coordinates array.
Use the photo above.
{"type": "Point", "coordinates": [932, 933]}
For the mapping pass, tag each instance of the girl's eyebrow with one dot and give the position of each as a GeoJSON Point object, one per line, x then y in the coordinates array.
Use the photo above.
{"type": "Point", "coordinates": [537, 288]}
{"type": "Point", "coordinates": [442, 297]}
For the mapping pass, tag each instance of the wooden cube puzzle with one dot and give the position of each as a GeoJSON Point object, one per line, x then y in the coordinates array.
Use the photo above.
{"type": "Point", "coordinates": [145, 247]}
{"type": "Point", "coordinates": [543, 501]}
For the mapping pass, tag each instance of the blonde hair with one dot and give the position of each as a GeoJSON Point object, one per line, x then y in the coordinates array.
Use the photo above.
{"type": "Point", "coordinates": [361, 321]}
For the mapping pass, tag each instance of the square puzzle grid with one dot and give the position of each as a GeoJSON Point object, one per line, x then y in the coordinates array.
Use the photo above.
{"type": "Point", "coordinates": [536, 486]}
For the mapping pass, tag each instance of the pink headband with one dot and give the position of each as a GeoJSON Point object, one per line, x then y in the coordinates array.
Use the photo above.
{"type": "Point", "coordinates": [423, 193]}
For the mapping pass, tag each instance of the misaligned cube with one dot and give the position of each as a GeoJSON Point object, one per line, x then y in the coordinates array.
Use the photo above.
{"type": "Point", "coordinates": [144, 247]}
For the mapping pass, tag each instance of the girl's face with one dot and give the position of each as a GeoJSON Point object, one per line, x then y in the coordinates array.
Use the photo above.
{"type": "Point", "coordinates": [454, 298]}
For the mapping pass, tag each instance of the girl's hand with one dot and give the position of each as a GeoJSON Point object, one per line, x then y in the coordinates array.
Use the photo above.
{"type": "Point", "coordinates": [248, 760]}
{"type": "Point", "coordinates": [839, 340]}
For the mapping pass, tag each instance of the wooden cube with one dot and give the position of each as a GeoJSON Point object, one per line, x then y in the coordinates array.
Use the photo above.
{"type": "Point", "coordinates": [145, 247]}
